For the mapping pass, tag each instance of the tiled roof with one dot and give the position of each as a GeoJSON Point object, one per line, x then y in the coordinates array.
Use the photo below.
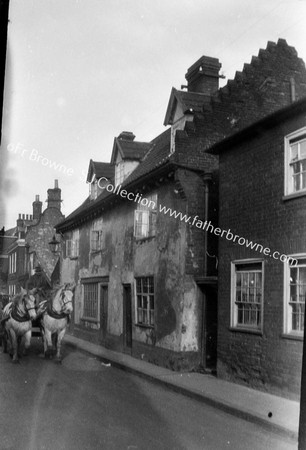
{"type": "Point", "coordinates": [190, 101]}
{"type": "Point", "coordinates": [155, 158]}
{"type": "Point", "coordinates": [193, 100]}
{"type": "Point", "coordinates": [129, 149]}
{"type": "Point", "coordinates": [100, 169]}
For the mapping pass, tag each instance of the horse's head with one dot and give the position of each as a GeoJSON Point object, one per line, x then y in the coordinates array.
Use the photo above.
{"type": "Point", "coordinates": [29, 302]}
{"type": "Point", "coordinates": [66, 299]}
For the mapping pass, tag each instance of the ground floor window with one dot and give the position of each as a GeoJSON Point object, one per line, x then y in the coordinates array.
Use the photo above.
{"type": "Point", "coordinates": [91, 301]}
{"type": "Point", "coordinates": [295, 295]}
{"type": "Point", "coordinates": [145, 301]}
{"type": "Point", "coordinates": [247, 295]}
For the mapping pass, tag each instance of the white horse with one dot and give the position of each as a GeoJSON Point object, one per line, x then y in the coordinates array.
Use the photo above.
{"type": "Point", "coordinates": [16, 320]}
{"type": "Point", "coordinates": [55, 316]}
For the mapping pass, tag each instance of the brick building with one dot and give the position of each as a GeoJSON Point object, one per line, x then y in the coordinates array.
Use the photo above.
{"type": "Point", "coordinates": [30, 247]}
{"type": "Point", "coordinates": [261, 292]}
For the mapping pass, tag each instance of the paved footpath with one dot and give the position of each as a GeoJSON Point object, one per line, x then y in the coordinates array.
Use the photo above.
{"type": "Point", "coordinates": [272, 412]}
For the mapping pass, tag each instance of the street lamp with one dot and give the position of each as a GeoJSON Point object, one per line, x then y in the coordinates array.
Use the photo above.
{"type": "Point", "coordinates": [54, 245]}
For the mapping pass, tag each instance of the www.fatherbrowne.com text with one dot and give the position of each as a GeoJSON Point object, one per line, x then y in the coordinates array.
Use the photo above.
{"type": "Point", "coordinates": [195, 221]}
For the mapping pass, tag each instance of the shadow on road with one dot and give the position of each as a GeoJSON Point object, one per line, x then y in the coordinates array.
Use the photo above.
{"type": "Point", "coordinates": [80, 404]}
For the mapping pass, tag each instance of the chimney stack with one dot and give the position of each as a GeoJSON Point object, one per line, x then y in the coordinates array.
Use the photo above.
{"type": "Point", "coordinates": [37, 208]}
{"type": "Point", "coordinates": [54, 196]}
{"type": "Point", "coordinates": [127, 136]}
{"type": "Point", "coordinates": [203, 76]}
{"type": "Point", "coordinates": [19, 222]}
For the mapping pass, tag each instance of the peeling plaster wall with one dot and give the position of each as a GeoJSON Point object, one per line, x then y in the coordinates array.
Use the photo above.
{"type": "Point", "coordinates": [123, 258]}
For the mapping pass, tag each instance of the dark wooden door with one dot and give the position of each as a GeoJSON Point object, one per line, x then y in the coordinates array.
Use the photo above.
{"type": "Point", "coordinates": [209, 327]}
{"type": "Point", "coordinates": [127, 317]}
{"type": "Point", "coordinates": [103, 311]}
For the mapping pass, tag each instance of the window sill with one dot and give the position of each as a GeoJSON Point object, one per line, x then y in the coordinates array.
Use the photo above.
{"type": "Point", "coordinates": [140, 240]}
{"type": "Point", "coordinates": [141, 325]}
{"type": "Point", "coordinates": [294, 195]}
{"type": "Point", "coordinates": [89, 319]}
{"type": "Point", "coordinates": [293, 337]}
{"type": "Point", "coordinates": [246, 330]}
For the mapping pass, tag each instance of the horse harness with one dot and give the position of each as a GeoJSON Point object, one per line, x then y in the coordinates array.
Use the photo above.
{"type": "Point", "coordinates": [55, 314]}
{"type": "Point", "coordinates": [19, 315]}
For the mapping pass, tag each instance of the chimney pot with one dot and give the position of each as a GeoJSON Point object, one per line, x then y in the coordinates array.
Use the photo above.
{"type": "Point", "coordinates": [55, 184]}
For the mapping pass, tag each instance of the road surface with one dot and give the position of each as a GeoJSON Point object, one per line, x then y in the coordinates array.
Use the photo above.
{"type": "Point", "coordinates": [84, 404]}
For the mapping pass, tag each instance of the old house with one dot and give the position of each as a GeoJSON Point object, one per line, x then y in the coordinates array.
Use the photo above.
{"type": "Point", "coordinates": [30, 246]}
{"type": "Point", "coordinates": [135, 274]}
{"type": "Point", "coordinates": [142, 247]}
{"type": "Point", "coordinates": [262, 273]}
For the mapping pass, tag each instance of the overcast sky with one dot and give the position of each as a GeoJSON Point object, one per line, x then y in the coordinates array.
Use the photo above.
{"type": "Point", "coordinates": [81, 71]}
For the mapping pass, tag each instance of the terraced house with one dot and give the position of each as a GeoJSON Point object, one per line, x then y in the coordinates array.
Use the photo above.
{"type": "Point", "coordinates": [146, 268]}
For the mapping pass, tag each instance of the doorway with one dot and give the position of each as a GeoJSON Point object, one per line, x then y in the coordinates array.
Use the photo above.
{"type": "Point", "coordinates": [103, 312]}
{"type": "Point", "coordinates": [209, 327]}
{"type": "Point", "coordinates": [127, 318]}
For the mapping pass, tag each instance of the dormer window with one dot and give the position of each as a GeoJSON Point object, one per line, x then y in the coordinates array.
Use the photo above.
{"type": "Point", "coordinates": [96, 171]}
{"type": "Point", "coordinates": [126, 155]}
{"type": "Point", "coordinates": [93, 189]}
{"type": "Point", "coordinates": [179, 124]}
{"type": "Point", "coordinates": [119, 173]}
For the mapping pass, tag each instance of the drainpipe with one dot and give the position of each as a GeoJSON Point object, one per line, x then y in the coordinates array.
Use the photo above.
{"type": "Point", "coordinates": [206, 179]}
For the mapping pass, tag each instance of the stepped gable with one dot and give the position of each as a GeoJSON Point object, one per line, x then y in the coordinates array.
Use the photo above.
{"type": "Point", "coordinates": [271, 81]}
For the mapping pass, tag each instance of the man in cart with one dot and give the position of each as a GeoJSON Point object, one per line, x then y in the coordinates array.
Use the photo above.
{"type": "Point", "coordinates": [44, 288]}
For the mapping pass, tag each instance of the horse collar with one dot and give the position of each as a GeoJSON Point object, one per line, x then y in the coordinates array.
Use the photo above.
{"type": "Point", "coordinates": [54, 314]}
{"type": "Point", "coordinates": [20, 316]}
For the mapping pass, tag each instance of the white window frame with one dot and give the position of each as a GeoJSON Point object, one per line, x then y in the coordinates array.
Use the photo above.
{"type": "Point", "coordinates": [145, 218]}
{"type": "Point", "coordinates": [145, 315]}
{"type": "Point", "coordinates": [119, 172]}
{"type": "Point", "coordinates": [255, 328]}
{"type": "Point", "coordinates": [13, 262]}
{"type": "Point", "coordinates": [288, 305]}
{"type": "Point", "coordinates": [289, 140]}
{"type": "Point", "coordinates": [96, 235]}
{"type": "Point", "coordinates": [12, 290]}
{"type": "Point", "coordinates": [72, 245]}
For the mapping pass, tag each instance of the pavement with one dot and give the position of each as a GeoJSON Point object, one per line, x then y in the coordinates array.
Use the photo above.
{"type": "Point", "coordinates": [273, 413]}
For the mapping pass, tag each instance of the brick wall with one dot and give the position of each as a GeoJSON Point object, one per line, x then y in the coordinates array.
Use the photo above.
{"type": "Point", "coordinates": [252, 206]}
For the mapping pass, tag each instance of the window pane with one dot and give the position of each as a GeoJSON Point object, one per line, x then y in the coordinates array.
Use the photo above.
{"type": "Point", "coordinates": [138, 284]}
{"type": "Point", "coordinates": [303, 149]}
{"type": "Point", "coordinates": [151, 285]}
{"type": "Point", "coordinates": [294, 152]}
{"type": "Point", "coordinates": [145, 287]}
{"type": "Point", "coordinates": [151, 302]}
{"type": "Point", "coordinates": [296, 182]}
